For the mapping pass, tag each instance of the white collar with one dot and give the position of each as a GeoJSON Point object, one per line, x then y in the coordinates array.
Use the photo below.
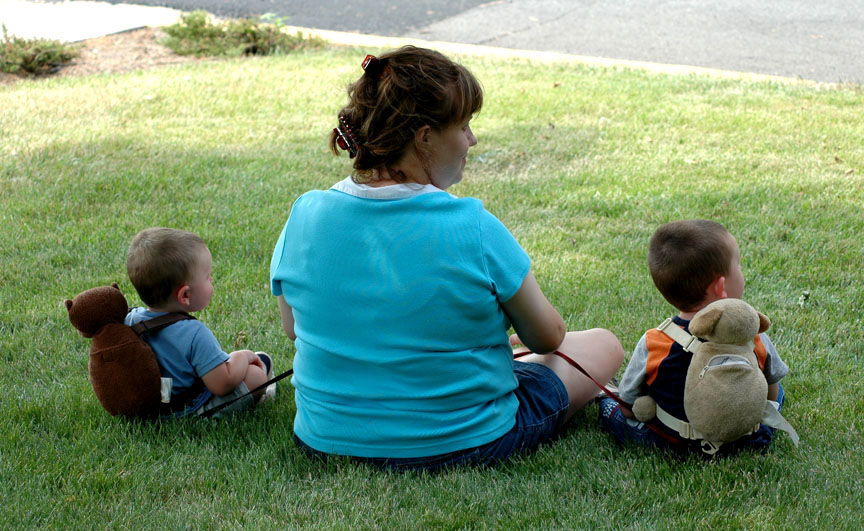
{"type": "Point", "coordinates": [393, 191]}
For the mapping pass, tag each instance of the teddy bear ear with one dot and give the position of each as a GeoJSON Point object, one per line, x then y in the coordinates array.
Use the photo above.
{"type": "Point", "coordinates": [68, 304]}
{"type": "Point", "coordinates": [115, 285]}
{"type": "Point", "coordinates": [705, 321]}
{"type": "Point", "coordinates": [764, 322]}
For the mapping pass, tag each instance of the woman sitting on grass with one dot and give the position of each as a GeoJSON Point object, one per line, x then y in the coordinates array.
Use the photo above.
{"type": "Point", "coordinates": [399, 295]}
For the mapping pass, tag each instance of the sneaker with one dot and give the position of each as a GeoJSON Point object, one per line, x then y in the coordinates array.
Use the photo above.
{"type": "Point", "coordinates": [612, 386]}
{"type": "Point", "coordinates": [270, 391]}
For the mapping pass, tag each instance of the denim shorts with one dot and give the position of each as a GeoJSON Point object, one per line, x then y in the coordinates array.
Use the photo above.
{"type": "Point", "coordinates": [542, 410]}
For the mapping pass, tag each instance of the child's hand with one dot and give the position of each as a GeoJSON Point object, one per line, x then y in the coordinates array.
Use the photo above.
{"type": "Point", "coordinates": [255, 360]}
{"type": "Point", "coordinates": [225, 377]}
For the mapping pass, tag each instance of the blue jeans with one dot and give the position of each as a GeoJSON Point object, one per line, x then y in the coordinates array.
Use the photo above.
{"type": "Point", "coordinates": [632, 431]}
{"type": "Point", "coordinates": [542, 410]}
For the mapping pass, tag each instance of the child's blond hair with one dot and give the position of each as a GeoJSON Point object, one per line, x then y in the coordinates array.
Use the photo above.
{"type": "Point", "coordinates": [159, 260]}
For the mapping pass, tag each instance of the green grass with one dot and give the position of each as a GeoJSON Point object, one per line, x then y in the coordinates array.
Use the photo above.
{"type": "Point", "coordinates": [581, 163]}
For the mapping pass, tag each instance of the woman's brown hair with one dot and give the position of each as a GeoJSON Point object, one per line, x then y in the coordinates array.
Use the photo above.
{"type": "Point", "coordinates": [399, 93]}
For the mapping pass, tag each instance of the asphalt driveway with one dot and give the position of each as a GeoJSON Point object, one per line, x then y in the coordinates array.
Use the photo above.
{"type": "Point", "coordinates": [822, 41]}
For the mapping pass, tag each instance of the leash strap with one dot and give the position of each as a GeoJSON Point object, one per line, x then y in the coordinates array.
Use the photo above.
{"type": "Point", "coordinates": [220, 407]}
{"type": "Point", "coordinates": [158, 323]}
{"type": "Point", "coordinates": [289, 372]}
{"type": "Point", "coordinates": [656, 429]}
{"type": "Point", "coordinates": [579, 368]}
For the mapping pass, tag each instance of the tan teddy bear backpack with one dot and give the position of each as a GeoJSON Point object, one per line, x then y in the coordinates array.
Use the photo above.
{"type": "Point", "coordinates": [725, 393]}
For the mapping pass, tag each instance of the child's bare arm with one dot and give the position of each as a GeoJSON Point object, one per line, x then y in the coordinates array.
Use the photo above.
{"type": "Point", "coordinates": [225, 377]}
{"type": "Point", "coordinates": [773, 391]}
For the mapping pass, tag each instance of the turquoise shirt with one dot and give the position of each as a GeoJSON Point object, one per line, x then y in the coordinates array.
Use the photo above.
{"type": "Point", "coordinates": [402, 347]}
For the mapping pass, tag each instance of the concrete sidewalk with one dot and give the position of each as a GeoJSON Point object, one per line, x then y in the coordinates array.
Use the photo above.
{"type": "Point", "coordinates": [78, 21]}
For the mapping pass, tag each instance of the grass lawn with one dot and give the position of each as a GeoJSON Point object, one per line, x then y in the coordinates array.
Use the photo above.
{"type": "Point", "coordinates": [581, 163]}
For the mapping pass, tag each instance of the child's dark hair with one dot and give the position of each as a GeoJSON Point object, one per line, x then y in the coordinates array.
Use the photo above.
{"type": "Point", "coordinates": [685, 257]}
{"type": "Point", "coordinates": [159, 260]}
{"type": "Point", "coordinates": [399, 93]}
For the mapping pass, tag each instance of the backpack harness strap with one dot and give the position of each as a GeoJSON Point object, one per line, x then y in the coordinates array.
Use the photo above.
{"type": "Point", "coordinates": [157, 323]}
{"type": "Point", "coordinates": [184, 399]}
{"type": "Point", "coordinates": [682, 428]}
{"type": "Point", "coordinates": [688, 341]}
{"type": "Point", "coordinates": [770, 415]}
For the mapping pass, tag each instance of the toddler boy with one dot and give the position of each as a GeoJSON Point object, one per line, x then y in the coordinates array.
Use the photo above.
{"type": "Point", "coordinates": [172, 272]}
{"type": "Point", "coordinates": [693, 263]}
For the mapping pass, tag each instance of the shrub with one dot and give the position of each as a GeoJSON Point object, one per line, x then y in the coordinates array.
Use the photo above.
{"type": "Point", "coordinates": [34, 56]}
{"type": "Point", "coordinates": [196, 34]}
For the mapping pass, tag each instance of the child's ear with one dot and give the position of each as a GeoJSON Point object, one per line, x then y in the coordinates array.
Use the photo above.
{"type": "Point", "coordinates": [717, 289]}
{"type": "Point", "coordinates": [183, 294]}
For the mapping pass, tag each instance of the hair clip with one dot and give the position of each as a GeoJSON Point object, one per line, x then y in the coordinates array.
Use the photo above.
{"type": "Point", "coordinates": [345, 137]}
{"type": "Point", "coordinates": [371, 65]}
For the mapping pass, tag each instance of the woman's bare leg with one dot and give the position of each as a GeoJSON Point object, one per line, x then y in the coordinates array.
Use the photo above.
{"type": "Point", "coordinates": [598, 351]}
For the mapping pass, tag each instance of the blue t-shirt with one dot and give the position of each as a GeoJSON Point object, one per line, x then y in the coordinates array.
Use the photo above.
{"type": "Point", "coordinates": [402, 347]}
{"type": "Point", "coordinates": [185, 350]}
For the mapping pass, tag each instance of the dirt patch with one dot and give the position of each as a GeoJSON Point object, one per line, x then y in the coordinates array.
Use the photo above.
{"type": "Point", "coordinates": [121, 52]}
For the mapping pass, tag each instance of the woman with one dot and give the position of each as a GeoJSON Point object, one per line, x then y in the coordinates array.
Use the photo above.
{"type": "Point", "coordinates": [399, 296]}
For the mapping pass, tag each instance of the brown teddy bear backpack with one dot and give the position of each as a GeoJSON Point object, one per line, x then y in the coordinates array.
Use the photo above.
{"type": "Point", "coordinates": [123, 369]}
